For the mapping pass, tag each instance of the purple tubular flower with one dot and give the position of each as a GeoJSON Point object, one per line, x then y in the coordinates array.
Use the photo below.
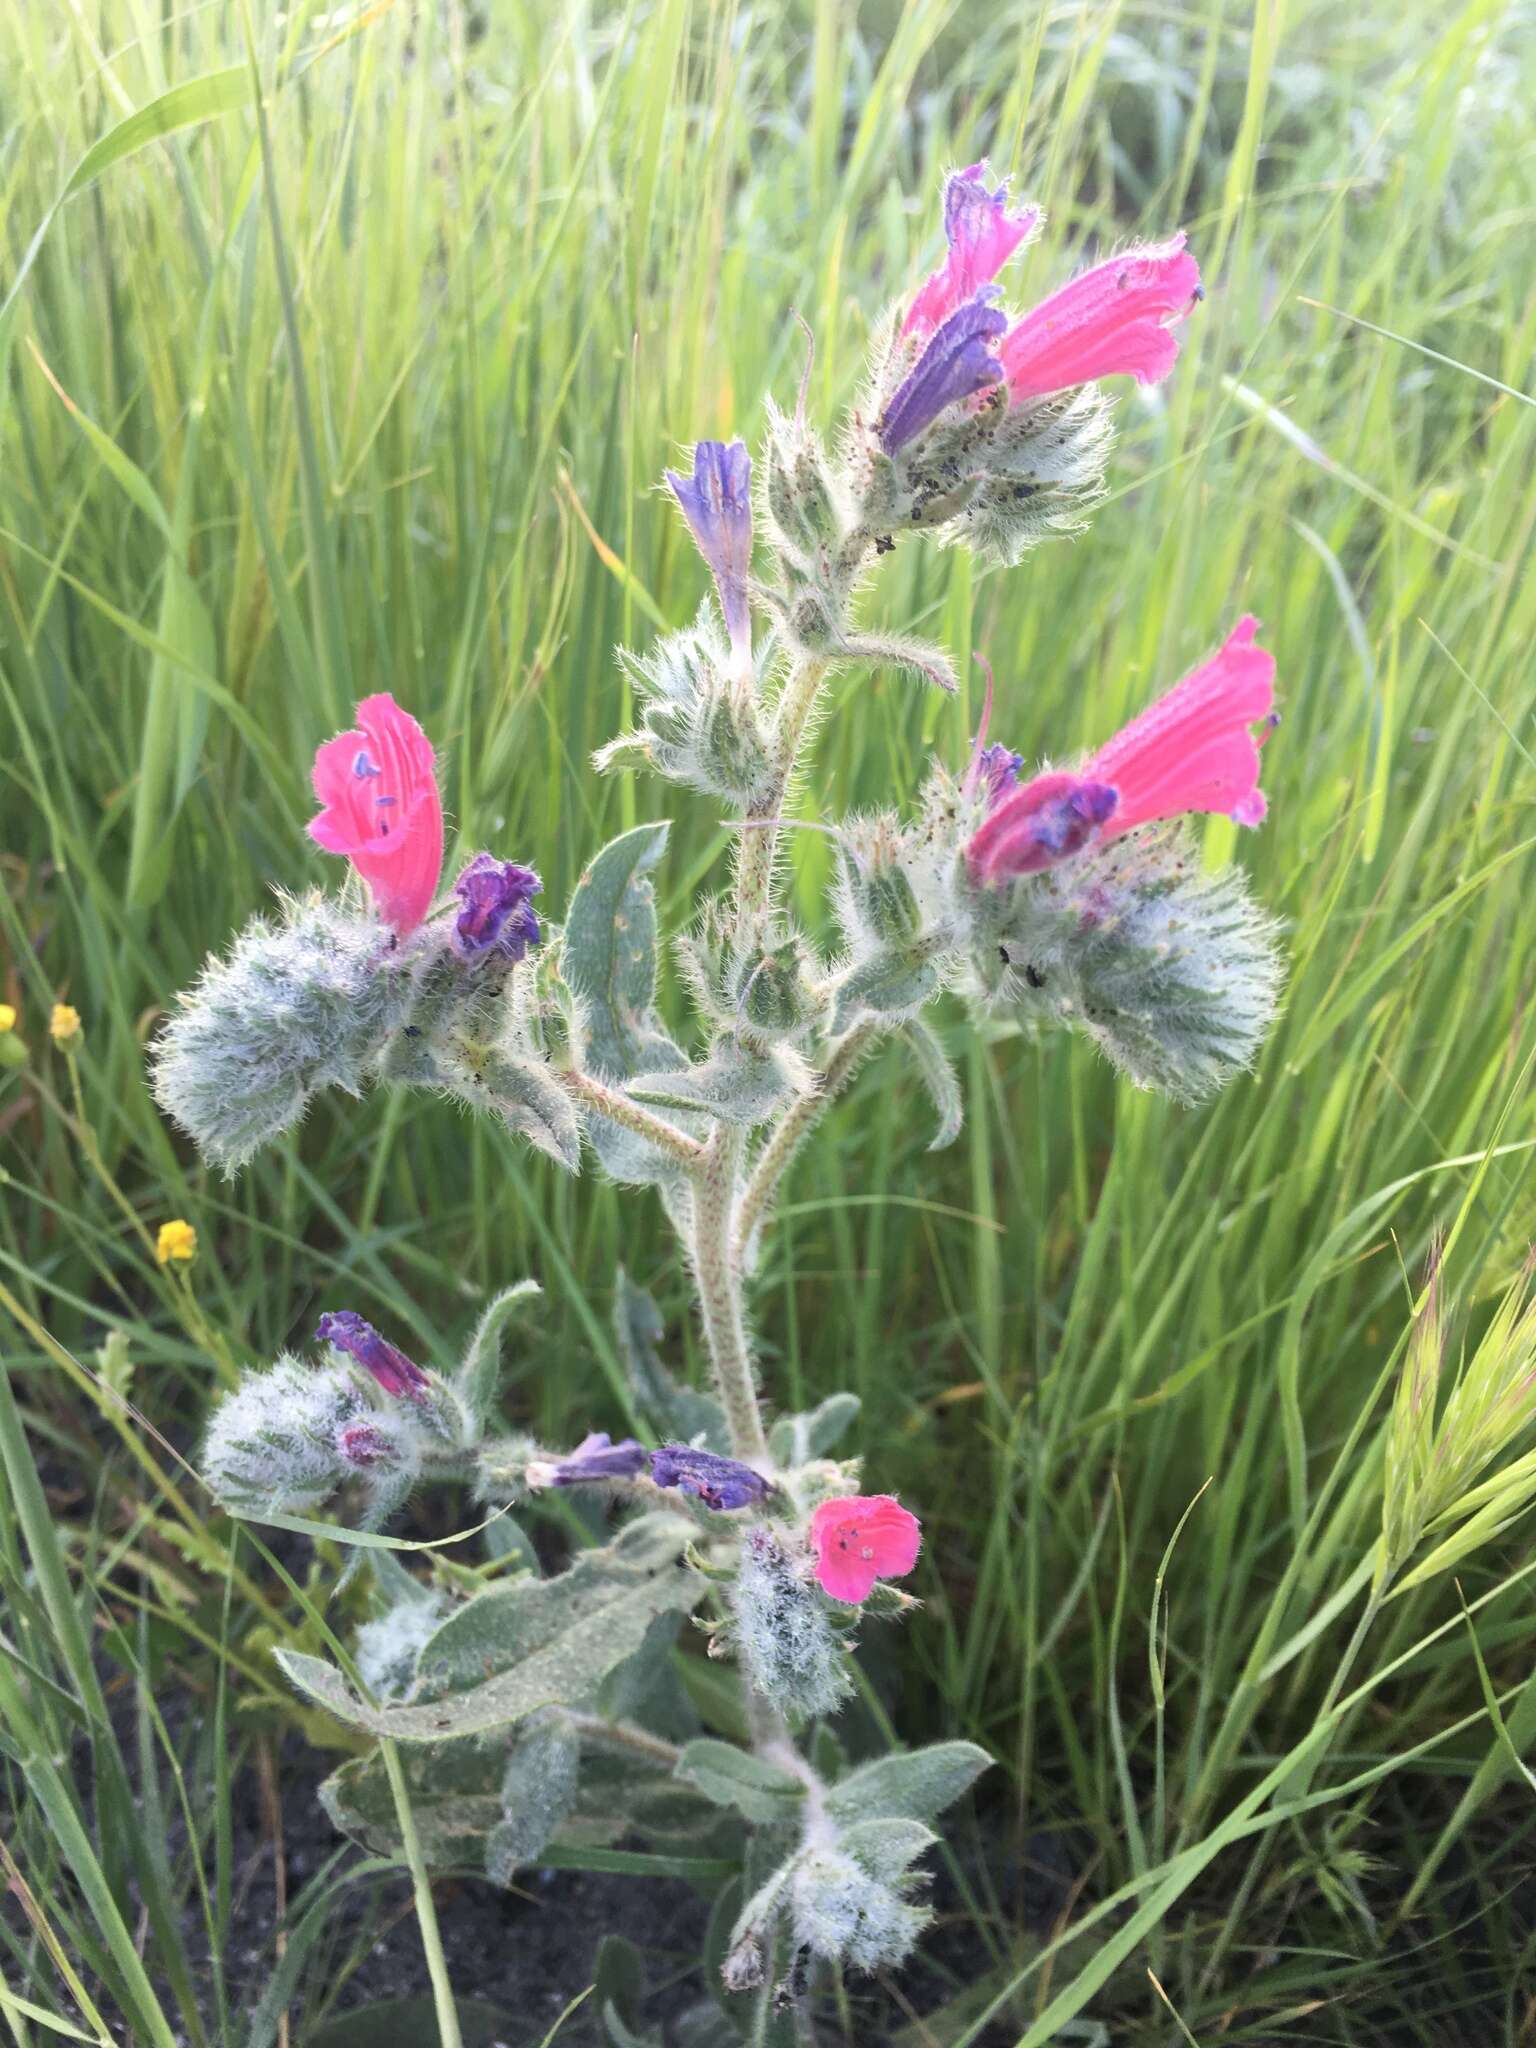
{"type": "Point", "coordinates": [957, 363]}
{"type": "Point", "coordinates": [717, 503]}
{"type": "Point", "coordinates": [720, 1483]}
{"type": "Point", "coordinates": [996, 767]}
{"type": "Point", "coordinates": [347, 1331]}
{"type": "Point", "coordinates": [1037, 826]}
{"type": "Point", "coordinates": [597, 1457]}
{"type": "Point", "coordinates": [497, 916]}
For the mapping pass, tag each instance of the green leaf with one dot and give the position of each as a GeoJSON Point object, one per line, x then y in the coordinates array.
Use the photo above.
{"type": "Point", "coordinates": [608, 957]}
{"type": "Point", "coordinates": [673, 1410]}
{"type": "Point", "coordinates": [538, 1790]}
{"type": "Point", "coordinates": [888, 1848]}
{"type": "Point", "coordinates": [533, 1644]}
{"type": "Point", "coordinates": [939, 1078]}
{"type": "Point", "coordinates": [893, 983]}
{"type": "Point", "coordinates": [182, 106]}
{"type": "Point", "coordinates": [455, 1792]}
{"type": "Point", "coordinates": [529, 1100]}
{"type": "Point", "coordinates": [914, 1785]}
{"type": "Point", "coordinates": [735, 1777]}
{"type": "Point", "coordinates": [734, 1086]}
{"type": "Point", "coordinates": [796, 1438]}
{"type": "Point", "coordinates": [478, 1379]}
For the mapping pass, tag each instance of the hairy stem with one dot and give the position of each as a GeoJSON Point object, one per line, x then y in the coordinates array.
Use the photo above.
{"type": "Point", "coordinates": [793, 1130]}
{"type": "Point", "coordinates": [759, 843]}
{"type": "Point", "coordinates": [715, 1183]}
{"type": "Point", "coordinates": [634, 1116]}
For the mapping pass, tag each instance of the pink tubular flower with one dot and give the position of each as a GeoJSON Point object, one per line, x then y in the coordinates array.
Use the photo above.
{"type": "Point", "coordinates": [859, 1538]}
{"type": "Point", "coordinates": [1113, 321]}
{"type": "Point", "coordinates": [381, 809]}
{"type": "Point", "coordinates": [981, 236]}
{"type": "Point", "coordinates": [1193, 749]}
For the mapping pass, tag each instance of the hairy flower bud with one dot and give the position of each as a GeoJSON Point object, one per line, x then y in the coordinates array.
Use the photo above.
{"type": "Point", "coordinates": [1170, 970]}
{"type": "Point", "coordinates": [844, 1912]}
{"type": "Point", "coordinates": [700, 724]}
{"type": "Point", "coordinates": [288, 1437]}
{"type": "Point", "coordinates": [784, 1634]}
{"type": "Point", "coordinates": [300, 1005]}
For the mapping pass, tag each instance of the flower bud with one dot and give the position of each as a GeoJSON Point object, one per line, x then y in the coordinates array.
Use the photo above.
{"type": "Point", "coordinates": [297, 1006]}
{"type": "Point", "coordinates": [783, 1631]}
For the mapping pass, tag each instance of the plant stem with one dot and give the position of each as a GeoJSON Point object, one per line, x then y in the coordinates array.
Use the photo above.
{"type": "Point", "coordinates": [426, 1909]}
{"type": "Point", "coordinates": [719, 1283]}
{"type": "Point", "coordinates": [774, 1159]}
{"type": "Point", "coordinates": [759, 842]}
{"type": "Point", "coordinates": [634, 1116]}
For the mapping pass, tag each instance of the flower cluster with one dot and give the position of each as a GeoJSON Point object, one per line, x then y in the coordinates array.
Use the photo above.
{"type": "Point", "coordinates": [1071, 895]}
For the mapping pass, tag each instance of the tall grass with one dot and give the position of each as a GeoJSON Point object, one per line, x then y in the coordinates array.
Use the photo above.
{"type": "Point", "coordinates": [362, 382]}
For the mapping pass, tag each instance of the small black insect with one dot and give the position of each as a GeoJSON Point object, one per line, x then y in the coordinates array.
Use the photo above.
{"type": "Point", "coordinates": [1005, 956]}
{"type": "Point", "coordinates": [1034, 977]}
{"type": "Point", "coordinates": [884, 544]}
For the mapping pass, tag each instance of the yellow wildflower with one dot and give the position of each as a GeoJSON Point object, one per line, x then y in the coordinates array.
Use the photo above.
{"type": "Point", "coordinates": [177, 1240]}
{"type": "Point", "coordinates": [64, 1024]}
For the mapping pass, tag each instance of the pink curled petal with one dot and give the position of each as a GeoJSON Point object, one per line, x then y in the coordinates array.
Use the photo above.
{"type": "Point", "coordinates": [381, 809]}
{"type": "Point", "coordinates": [1194, 750]}
{"type": "Point", "coordinates": [1113, 321]}
{"type": "Point", "coordinates": [1038, 825]}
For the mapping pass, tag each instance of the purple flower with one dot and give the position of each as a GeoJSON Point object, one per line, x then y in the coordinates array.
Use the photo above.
{"type": "Point", "coordinates": [719, 1482]}
{"type": "Point", "coordinates": [396, 1374]}
{"type": "Point", "coordinates": [717, 504]}
{"type": "Point", "coordinates": [497, 916]}
{"type": "Point", "coordinates": [957, 363]}
{"type": "Point", "coordinates": [597, 1457]}
{"type": "Point", "coordinates": [996, 767]}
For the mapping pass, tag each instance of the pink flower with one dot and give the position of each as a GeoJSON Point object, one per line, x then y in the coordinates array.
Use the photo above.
{"type": "Point", "coordinates": [1193, 750]}
{"type": "Point", "coordinates": [859, 1538]}
{"type": "Point", "coordinates": [981, 236]}
{"type": "Point", "coordinates": [1113, 321]}
{"type": "Point", "coordinates": [381, 809]}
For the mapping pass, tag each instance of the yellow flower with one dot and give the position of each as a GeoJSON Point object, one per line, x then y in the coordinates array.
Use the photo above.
{"type": "Point", "coordinates": [64, 1024]}
{"type": "Point", "coordinates": [7, 1016]}
{"type": "Point", "coordinates": [177, 1240]}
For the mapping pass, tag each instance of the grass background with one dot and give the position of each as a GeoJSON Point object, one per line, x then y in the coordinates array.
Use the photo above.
{"type": "Point", "coordinates": [369, 392]}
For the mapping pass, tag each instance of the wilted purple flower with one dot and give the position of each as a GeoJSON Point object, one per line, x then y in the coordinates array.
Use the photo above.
{"type": "Point", "coordinates": [717, 504]}
{"type": "Point", "coordinates": [348, 1332]}
{"type": "Point", "coordinates": [957, 363]}
{"type": "Point", "coordinates": [497, 916]}
{"type": "Point", "coordinates": [996, 767]}
{"type": "Point", "coordinates": [364, 1444]}
{"type": "Point", "coordinates": [596, 1458]}
{"type": "Point", "coordinates": [719, 1482]}
{"type": "Point", "coordinates": [1038, 825]}
{"type": "Point", "coordinates": [981, 234]}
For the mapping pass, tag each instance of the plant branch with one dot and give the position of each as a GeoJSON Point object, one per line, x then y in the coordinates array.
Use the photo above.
{"type": "Point", "coordinates": [620, 1108]}
{"type": "Point", "coordinates": [774, 1160]}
